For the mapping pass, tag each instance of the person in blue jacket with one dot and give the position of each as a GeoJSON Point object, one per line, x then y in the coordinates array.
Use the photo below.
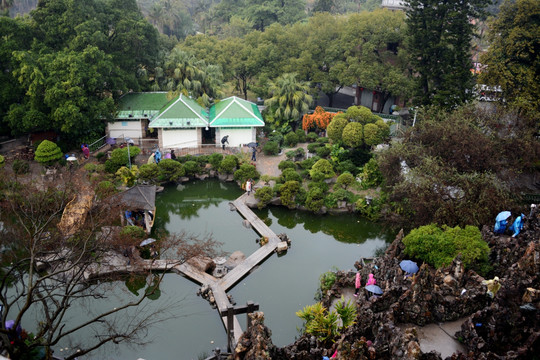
{"type": "Point", "coordinates": [157, 156]}
{"type": "Point", "coordinates": [517, 226]}
{"type": "Point", "coordinates": [500, 226]}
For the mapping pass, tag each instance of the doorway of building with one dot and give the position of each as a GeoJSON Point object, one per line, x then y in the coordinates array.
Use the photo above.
{"type": "Point", "coordinates": [208, 135]}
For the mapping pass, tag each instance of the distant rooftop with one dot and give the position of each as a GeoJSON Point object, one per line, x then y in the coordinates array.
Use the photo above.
{"type": "Point", "coordinates": [394, 4]}
{"type": "Point", "coordinates": [141, 105]}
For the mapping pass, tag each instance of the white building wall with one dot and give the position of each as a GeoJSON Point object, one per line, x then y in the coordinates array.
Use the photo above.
{"type": "Point", "coordinates": [132, 129]}
{"type": "Point", "coordinates": [237, 136]}
{"type": "Point", "coordinates": [179, 138]}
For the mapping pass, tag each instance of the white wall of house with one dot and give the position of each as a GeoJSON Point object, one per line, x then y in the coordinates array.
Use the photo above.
{"type": "Point", "coordinates": [237, 136]}
{"type": "Point", "coordinates": [131, 128]}
{"type": "Point", "coordinates": [178, 138]}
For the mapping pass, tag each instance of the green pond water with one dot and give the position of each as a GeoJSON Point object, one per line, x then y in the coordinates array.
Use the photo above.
{"type": "Point", "coordinates": [281, 285]}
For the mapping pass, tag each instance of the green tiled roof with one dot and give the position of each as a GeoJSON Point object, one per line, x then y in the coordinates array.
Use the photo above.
{"type": "Point", "coordinates": [235, 112]}
{"type": "Point", "coordinates": [181, 112]}
{"type": "Point", "coordinates": [141, 105]}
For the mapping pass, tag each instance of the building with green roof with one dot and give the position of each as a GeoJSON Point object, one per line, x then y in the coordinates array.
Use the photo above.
{"type": "Point", "coordinates": [181, 122]}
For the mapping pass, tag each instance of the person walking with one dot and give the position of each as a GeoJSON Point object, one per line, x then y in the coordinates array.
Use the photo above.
{"type": "Point", "coordinates": [157, 156]}
{"type": "Point", "coordinates": [248, 186]}
{"type": "Point", "coordinates": [173, 155]}
{"type": "Point", "coordinates": [86, 151]}
{"type": "Point", "coordinates": [224, 140]}
{"type": "Point", "coordinates": [357, 283]}
{"type": "Point", "coordinates": [253, 154]}
{"type": "Point", "coordinates": [371, 280]}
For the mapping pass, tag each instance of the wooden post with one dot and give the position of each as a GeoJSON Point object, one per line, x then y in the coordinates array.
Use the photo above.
{"type": "Point", "coordinates": [250, 309]}
{"type": "Point", "coordinates": [230, 327]}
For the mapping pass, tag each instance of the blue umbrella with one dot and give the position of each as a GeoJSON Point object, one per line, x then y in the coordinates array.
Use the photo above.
{"type": "Point", "coordinates": [503, 215]}
{"type": "Point", "coordinates": [408, 266]}
{"type": "Point", "coordinates": [374, 289]}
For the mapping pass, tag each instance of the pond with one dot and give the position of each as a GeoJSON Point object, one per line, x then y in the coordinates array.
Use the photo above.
{"type": "Point", "coordinates": [281, 285]}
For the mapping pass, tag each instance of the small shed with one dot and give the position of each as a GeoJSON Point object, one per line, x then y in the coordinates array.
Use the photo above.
{"type": "Point", "coordinates": [180, 123]}
{"type": "Point", "coordinates": [141, 200]}
{"type": "Point", "coordinates": [237, 118]}
{"type": "Point", "coordinates": [135, 111]}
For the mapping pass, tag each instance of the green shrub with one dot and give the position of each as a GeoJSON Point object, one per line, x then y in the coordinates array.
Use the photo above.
{"type": "Point", "coordinates": [335, 128]}
{"type": "Point", "coordinates": [360, 114]}
{"type": "Point", "coordinates": [132, 234]}
{"type": "Point", "coordinates": [325, 325]}
{"type": "Point", "coordinates": [111, 167]}
{"type": "Point", "coordinates": [127, 176]}
{"type": "Point", "coordinates": [312, 137]}
{"type": "Point", "coordinates": [370, 175]}
{"type": "Point", "coordinates": [202, 159]}
{"type": "Point", "coordinates": [170, 170]}
{"type": "Point", "coordinates": [290, 154]}
{"type": "Point", "coordinates": [315, 199]}
{"type": "Point", "coordinates": [439, 246]}
{"type": "Point", "coordinates": [228, 164]}
{"type": "Point", "coordinates": [327, 280]}
{"type": "Point", "coordinates": [300, 153]}
{"type": "Point", "coordinates": [369, 209]}
{"type": "Point", "coordinates": [264, 195]}
{"type": "Point", "coordinates": [185, 158]}
{"type": "Point", "coordinates": [100, 156]}
{"type": "Point", "coordinates": [312, 148]}
{"type": "Point", "coordinates": [215, 160]}
{"type": "Point", "coordinates": [90, 167]}
{"type": "Point", "coordinates": [319, 184]}
{"type": "Point", "coordinates": [245, 172]}
{"type": "Point", "coordinates": [47, 153]}
{"type": "Point", "coordinates": [105, 189]}
{"type": "Point", "coordinates": [308, 163]}
{"type": "Point", "coordinates": [323, 140]}
{"type": "Point", "coordinates": [20, 167]}
{"type": "Point", "coordinates": [149, 173]}
{"type": "Point", "coordinates": [353, 134]}
{"type": "Point", "coordinates": [301, 134]}
{"type": "Point", "coordinates": [323, 151]}
{"type": "Point", "coordinates": [330, 201]}
{"type": "Point", "coordinates": [286, 164]}
{"type": "Point", "coordinates": [301, 196]}
{"type": "Point", "coordinates": [276, 137]}
{"type": "Point", "coordinates": [291, 139]}
{"type": "Point", "coordinates": [290, 175]}
{"type": "Point", "coordinates": [344, 180]}
{"type": "Point", "coordinates": [346, 166]}
{"type": "Point", "coordinates": [119, 158]}
{"type": "Point", "coordinates": [304, 174]}
{"type": "Point", "coordinates": [323, 167]}
{"type": "Point", "coordinates": [191, 168]}
{"type": "Point", "coordinates": [271, 148]}
{"type": "Point", "coordinates": [287, 193]}
{"type": "Point", "coordinates": [2, 161]}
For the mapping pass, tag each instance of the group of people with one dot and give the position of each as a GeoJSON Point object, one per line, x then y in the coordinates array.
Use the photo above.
{"type": "Point", "coordinates": [501, 223]}
{"type": "Point", "coordinates": [358, 282]}
{"type": "Point", "coordinates": [155, 157]}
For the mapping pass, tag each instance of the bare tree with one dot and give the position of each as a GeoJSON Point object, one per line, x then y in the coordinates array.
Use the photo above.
{"type": "Point", "coordinates": [45, 274]}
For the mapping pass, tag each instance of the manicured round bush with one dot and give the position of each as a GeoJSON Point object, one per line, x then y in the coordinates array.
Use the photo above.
{"type": "Point", "coordinates": [245, 172]}
{"type": "Point", "coordinates": [191, 168]}
{"type": "Point", "coordinates": [312, 137]}
{"type": "Point", "coordinates": [286, 164]}
{"type": "Point", "coordinates": [289, 175]}
{"type": "Point", "coordinates": [271, 148]}
{"type": "Point", "coordinates": [228, 164]}
{"type": "Point", "coordinates": [2, 161]}
{"type": "Point", "coordinates": [312, 148]}
{"type": "Point", "coordinates": [323, 166]}
{"type": "Point", "coordinates": [308, 163]}
{"type": "Point", "coordinates": [360, 114]}
{"type": "Point", "coordinates": [215, 160]}
{"type": "Point", "coordinates": [105, 189]}
{"type": "Point", "coordinates": [291, 139]}
{"type": "Point", "coordinates": [353, 134]}
{"type": "Point", "coordinates": [323, 140]}
{"type": "Point", "coordinates": [287, 193]}
{"type": "Point", "coordinates": [47, 153]}
{"type": "Point", "coordinates": [131, 233]}
{"type": "Point", "coordinates": [264, 195]}
{"type": "Point", "coordinates": [276, 137]}
{"type": "Point", "coordinates": [149, 173]}
{"type": "Point", "coordinates": [323, 151]}
{"type": "Point", "coordinates": [345, 180]}
{"type": "Point", "coordinates": [346, 166]}
{"type": "Point", "coordinates": [335, 128]}
{"type": "Point", "coordinates": [315, 199]}
{"type": "Point", "coordinates": [301, 135]}
{"type": "Point", "coordinates": [170, 170]}
{"type": "Point", "coordinates": [319, 184]}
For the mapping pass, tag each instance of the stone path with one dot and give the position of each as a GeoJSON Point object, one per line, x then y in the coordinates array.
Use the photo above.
{"type": "Point", "coordinates": [268, 164]}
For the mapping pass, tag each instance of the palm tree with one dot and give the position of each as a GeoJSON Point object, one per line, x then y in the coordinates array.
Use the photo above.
{"type": "Point", "coordinates": [290, 100]}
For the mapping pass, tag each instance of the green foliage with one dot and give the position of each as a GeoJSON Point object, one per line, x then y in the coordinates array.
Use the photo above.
{"type": "Point", "coordinates": [346, 311]}
{"type": "Point", "coordinates": [335, 128]}
{"type": "Point", "coordinates": [47, 153]}
{"type": "Point", "coordinates": [215, 160]}
{"type": "Point", "coordinates": [371, 175]}
{"type": "Point", "coordinates": [20, 167]}
{"type": "Point", "coordinates": [290, 175]}
{"type": "Point", "coordinates": [353, 134]}
{"type": "Point", "coordinates": [264, 195]}
{"type": "Point", "coordinates": [287, 193]}
{"type": "Point", "coordinates": [344, 180]}
{"type": "Point", "coordinates": [312, 136]}
{"type": "Point", "coordinates": [371, 209]}
{"type": "Point", "coordinates": [170, 170]}
{"type": "Point", "coordinates": [191, 168]}
{"type": "Point", "coordinates": [127, 176]}
{"type": "Point", "coordinates": [323, 151]}
{"type": "Point", "coordinates": [308, 163]}
{"type": "Point", "coordinates": [315, 199]}
{"type": "Point", "coordinates": [323, 167]}
{"type": "Point", "coordinates": [346, 166]}
{"type": "Point", "coordinates": [245, 172]}
{"type": "Point", "coordinates": [301, 134]}
{"type": "Point", "coordinates": [285, 164]}
{"type": "Point", "coordinates": [439, 246]}
{"type": "Point", "coordinates": [132, 233]}
{"type": "Point", "coordinates": [2, 161]}
{"type": "Point", "coordinates": [360, 114]}
{"type": "Point", "coordinates": [271, 148]}
{"type": "Point", "coordinates": [90, 167]}
{"type": "Point", "coordinates": [372, 135]}
{"type": "Point", "coordinates": [312, 148]}
{"type": "Point", "coordinates": [324, 187]}
{"type": "Point", "coordinates": [323, 140]}
{"type": "Point", "coordinates": [291, 139]}
{"type": "Point", "coordinates": [276, 137]}
{"type": "Point", "coordinates": [327, 280]}
{"type": "Point", "coordinates": [512, 57]}
{"type": "Point", "coordinates": [228, 164]}
{"type": "Point", "coordinates": [105, 189]}
{"type": "Point", "coordinates": [149, 173]}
